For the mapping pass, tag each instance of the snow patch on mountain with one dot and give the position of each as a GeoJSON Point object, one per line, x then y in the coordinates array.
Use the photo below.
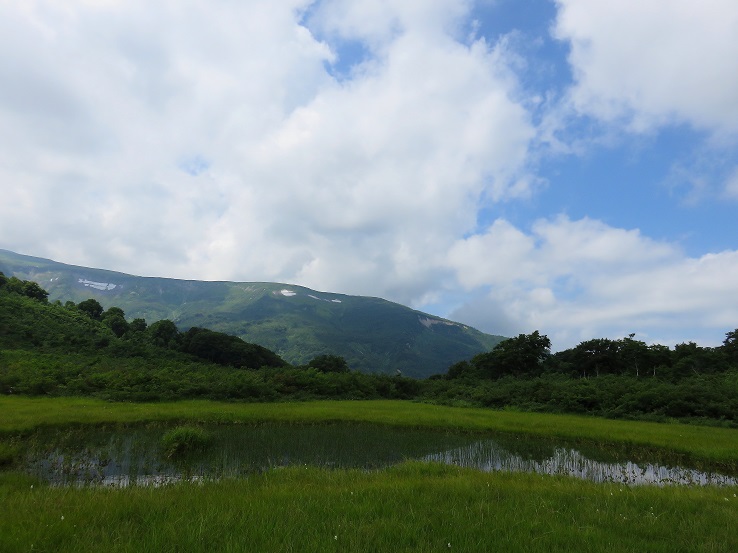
{"type": "Point", "coordinates": [323, 299]}
{"type": "Point", "coordinates": [97, 285]}
{"type": "Point", "coordinates": [427, 323]}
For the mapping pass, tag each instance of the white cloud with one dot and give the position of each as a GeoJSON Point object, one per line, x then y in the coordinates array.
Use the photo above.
{"type": "Point", "coordinates": [212, 140]}
{"type": "Point", "coordinates": [555, 248]}
{"type": "Point", "coordinates": [575, 280]}
{"type": "Point", "coordinates": [499, 257]}
{"type": "Point", "coordinates": [354, 185]}
{"type": "Point", "coordinates": [654, 62]}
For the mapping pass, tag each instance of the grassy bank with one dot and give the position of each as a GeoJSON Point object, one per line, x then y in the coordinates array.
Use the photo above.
{"type": "Point", "coordinates": [412, 507]}
{"type": "Point", "coordinates": [715, 446]}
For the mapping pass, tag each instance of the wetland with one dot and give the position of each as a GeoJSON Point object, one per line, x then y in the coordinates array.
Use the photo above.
{"type": "Point", "coordinates": [87, 475]}
{"type": "Point", "coordinates": [123, 455]}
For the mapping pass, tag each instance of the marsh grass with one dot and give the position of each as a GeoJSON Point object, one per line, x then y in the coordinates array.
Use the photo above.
{"type": "Point", "coordinates": [184, 441]}
{"type": "Point", "coordinates": [411, 507]}
{"type": "Point", "coordinates": [698, 446]}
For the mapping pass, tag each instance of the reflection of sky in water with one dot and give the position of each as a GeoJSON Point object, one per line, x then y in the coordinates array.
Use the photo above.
{"type": "Point", "coordinates": [487, 455]}
{"type": "Point", "coordinates": [133, 456]}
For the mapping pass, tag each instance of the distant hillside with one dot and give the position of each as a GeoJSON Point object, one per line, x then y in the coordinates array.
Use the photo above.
{"type": "Point", "coordinates": [374, 335]}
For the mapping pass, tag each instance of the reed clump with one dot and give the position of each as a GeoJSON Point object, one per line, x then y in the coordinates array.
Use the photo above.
{"type": "Point", "coordinates": [182, 441]}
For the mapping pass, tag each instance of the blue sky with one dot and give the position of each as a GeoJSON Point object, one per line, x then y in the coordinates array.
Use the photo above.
{"type": "Point", "coordinates": [569, 166]}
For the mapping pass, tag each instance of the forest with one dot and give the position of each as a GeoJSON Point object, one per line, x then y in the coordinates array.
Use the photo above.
{"type": "Point", "coordinates": [50, 348]}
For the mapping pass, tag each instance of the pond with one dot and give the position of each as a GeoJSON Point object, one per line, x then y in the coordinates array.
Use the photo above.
{"type": "Point", "coordinates": [122, 456]}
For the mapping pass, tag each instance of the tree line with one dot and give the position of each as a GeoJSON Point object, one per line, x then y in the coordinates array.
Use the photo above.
{"type": "Point", "coordinates": [529, 355]}
{"type": "Point", "coordinates": [84, 349]}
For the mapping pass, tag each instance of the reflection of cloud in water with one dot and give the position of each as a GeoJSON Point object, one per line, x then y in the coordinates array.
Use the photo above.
{"type": "Point", "coordinates": [487, 455]}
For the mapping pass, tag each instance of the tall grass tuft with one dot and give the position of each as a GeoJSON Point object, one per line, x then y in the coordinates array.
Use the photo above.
{"type": "Point", "coordinates": [185, 440]}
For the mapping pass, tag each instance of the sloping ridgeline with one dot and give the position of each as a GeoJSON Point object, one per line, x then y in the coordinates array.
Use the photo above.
{"type": "Point", "coordinates": [372, 334]}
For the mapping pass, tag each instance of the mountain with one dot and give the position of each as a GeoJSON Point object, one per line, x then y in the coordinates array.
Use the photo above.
{"type": "Point", "coordinates": [372, 334]}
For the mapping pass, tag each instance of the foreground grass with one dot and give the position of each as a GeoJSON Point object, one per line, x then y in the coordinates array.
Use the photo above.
{"type": "Point", "coordinates": [412, 507]}
{"type": "Point", "coordinates": [716, 447]}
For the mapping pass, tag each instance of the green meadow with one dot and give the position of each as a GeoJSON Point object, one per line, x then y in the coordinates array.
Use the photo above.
{"type": "Point", "coordinates": [410, 507]}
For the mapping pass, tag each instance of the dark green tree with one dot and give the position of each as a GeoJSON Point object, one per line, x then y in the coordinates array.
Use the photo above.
{"type": "Point", "coordinates": [117, 324]}
{"type": "Point", "coordinates": [227, 350]}
{"type": "Point", "coordinates": [14, 284]}
{"type": "Point", "coordinates": [329, 364]}
{"type": "Point", "coordinates": [33, 290]}
{"type": "Point", "coordinates": [113, 311]}
{"type": "Point", "coordinates": [115, 319]}
{"type": "Point", "coordinates": [693, 360]}
{"type": "Point", "coordinates": [596, 357]}
{"type": "Point", "coordinates": [91, 308]}
{"type": "Point", "coordinates": [730, 346]}
{"type": "Point", "coordinates": [164, 333]}
{"type": "Point", "coordinates": [520, 356]}
{"type": "Point", "coordinates": [137, 325]}
{"type": "Point", "coordinates": [659, 360]}
{"type": "Point", "coordinates": [634, 356]}
{"type": "Point", "coordinates": [462, 369]}
{"type": "Point", "coordinates": [26, 288]}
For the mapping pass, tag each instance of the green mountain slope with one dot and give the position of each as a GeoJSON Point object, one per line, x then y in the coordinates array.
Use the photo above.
{"type": "Point", "coordinates": [374, 335]}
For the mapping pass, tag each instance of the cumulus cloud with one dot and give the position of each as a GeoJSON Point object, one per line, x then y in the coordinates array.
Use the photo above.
{"type": "Point", "coordinates": [504, 254]}
{"type": "Point", "coordinates": [115, 96]}
{"type": "Point", "coordinates": [348, 184]}
{"type": "Point", "coordinates": [220, 140]}
{"type": "Point", "coordinates": [578, 279]}
{"type": "Point", "coordinates": [654, 63]}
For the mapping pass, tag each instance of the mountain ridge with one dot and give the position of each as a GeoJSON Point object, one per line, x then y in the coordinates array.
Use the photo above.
{"type": "Point", "coordinates": [296, 322]}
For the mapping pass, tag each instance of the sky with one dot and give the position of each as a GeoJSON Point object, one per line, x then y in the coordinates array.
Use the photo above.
{"type": "Point", "coordinates": [567, 166]}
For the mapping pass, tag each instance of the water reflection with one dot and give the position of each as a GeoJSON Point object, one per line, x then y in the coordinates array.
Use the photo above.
{"type": "Point", "coordinates": [488, 455]}
{"type": "Point", "coordinates": [134, 455]}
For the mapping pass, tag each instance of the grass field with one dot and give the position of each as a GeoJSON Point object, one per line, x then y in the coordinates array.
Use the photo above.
{"type": "Point", "coordinates": [410, 507]}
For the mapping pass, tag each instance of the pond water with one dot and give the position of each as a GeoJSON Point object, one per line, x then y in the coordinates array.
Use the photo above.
{"type": "Point", "coordinates": [121, 456]}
